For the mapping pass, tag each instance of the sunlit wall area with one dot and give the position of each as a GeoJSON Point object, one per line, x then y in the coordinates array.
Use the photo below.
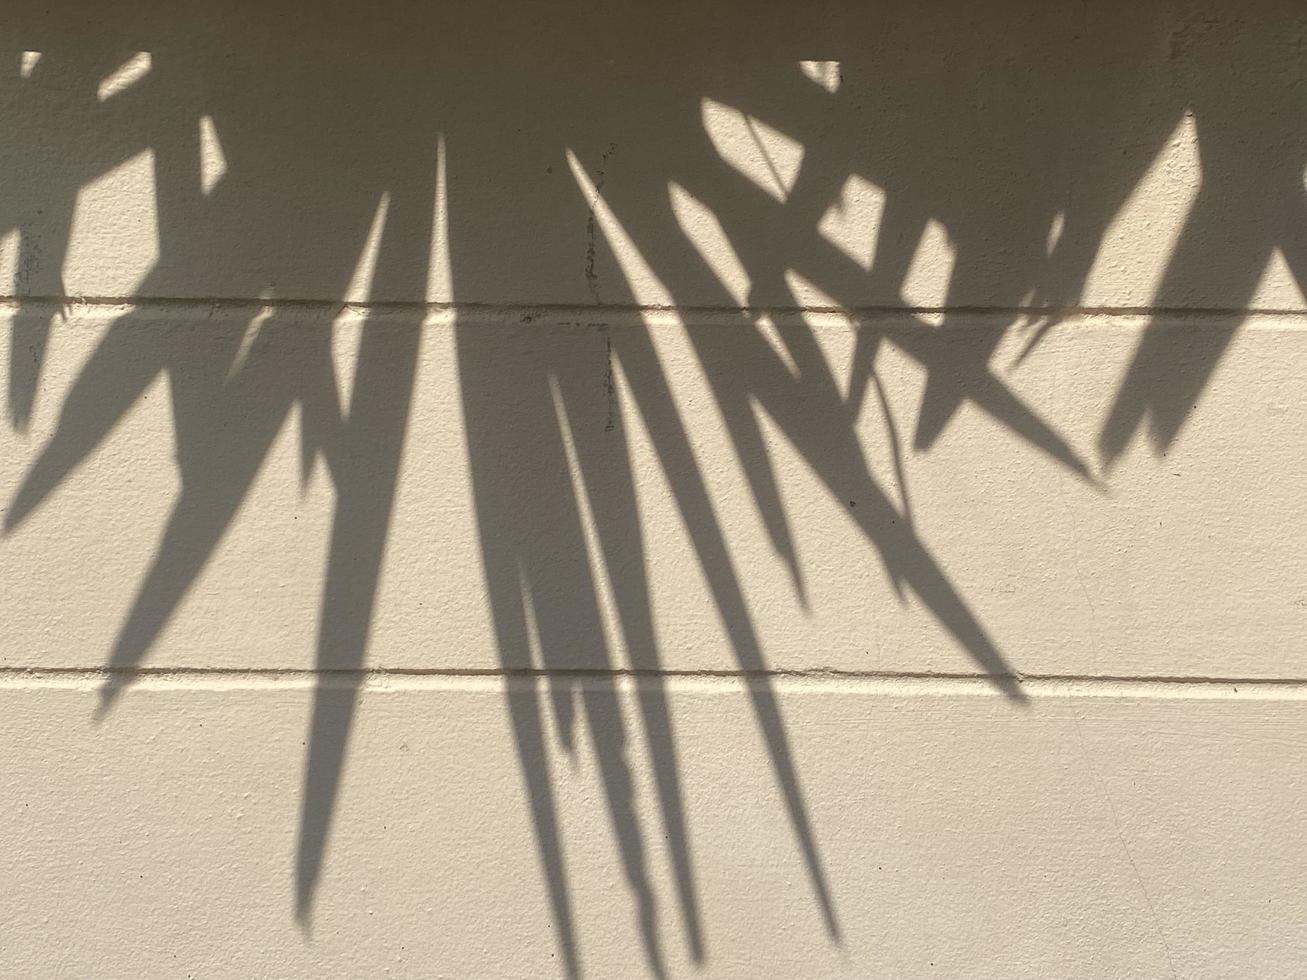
{"type": "Point", "coordinates": [727, 490]}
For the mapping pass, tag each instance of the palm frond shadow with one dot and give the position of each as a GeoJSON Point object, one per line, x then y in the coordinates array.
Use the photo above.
{"type": "Point", "coordinates": [974, 126]}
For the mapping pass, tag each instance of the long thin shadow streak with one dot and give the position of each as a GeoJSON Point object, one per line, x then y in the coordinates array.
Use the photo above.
{"type": "Point", "coordinates": [542, 590]}
{"type": "Point", "coordinates": [217, 418]}
{"type": "Point", "coordinates": [596, 462]}
{"type": "Point", "coordinates": [603, 453]}
{"type": "Point", "coordinates": [514, 609]}
{"type": "Point", "coordinates": [1175, 361]}
{"type": "Point", "coordinates": [364, 463]}
{"type": "Point", "coordinates": [29, 336]}
{"type": "Point", "coordinates": [1240, 217]}
{"type": "Point", "coordinates": [750, 216]}
{"type": "Point", "coordinates": [653, 397]}
{"type": "Point", "coordinates": [117, 374]}
{"type": "Point", "coordinates": [743, 369]}
{"type": "Point", "coordinates": [232, 419]}
{"type": "Point", "coordinates": [44, 166]}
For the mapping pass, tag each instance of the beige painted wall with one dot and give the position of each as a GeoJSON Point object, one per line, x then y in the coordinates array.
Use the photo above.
{"type": "Point", "coordinates": [733, 489]}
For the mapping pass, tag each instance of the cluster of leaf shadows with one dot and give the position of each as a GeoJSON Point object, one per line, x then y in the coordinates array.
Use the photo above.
{"type": "Point", "coordinates": [995, 123]}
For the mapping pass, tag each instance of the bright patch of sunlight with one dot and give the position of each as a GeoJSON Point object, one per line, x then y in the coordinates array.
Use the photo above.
{"type": "Point", "coordinates": [824, 73]}
{"type": "Point", "coordinates": [927, 280]}
{"type": "Point", "coordinates": [817, 307]}
{"type": "Point", "coordinates": [440, 283]}
{"type": "Point", "coordinates": [113, 239]}
{"type": "Point", "coordinates": [359, 289]}
{"type": "Point", "coordinates": [124, 76]}
{"type": "Point", "coordinates": [1142, 237]}
{"type": "Point", "coordinates": [9, 262]}
{"type": "Point", "coordinates": [769, 332]}
{"type": "Point", "coordinates": [765, 157]}
{"type": "Point", "coordinates": [705, 233]}
{"type": "Point", "coordinates": [644, 284]}
{"type": "Point", "coordinates": [1277, 289]}
{"type": "Point", "coordinates": [822, 313]}
{"type": "Point", "coordinates": [852, 223]}
{"type": "Point", "coordinates": [27, 63]}
{"type": "Point", "coordinates": [1055, 229]}
{"type": "Point", "coordinates": [346, 332]}
{"type": "Point", "coordinates": [247, 342]}
{"type": "Point", "coordinates": [807, 295]}
{"type": "Point", "coordinates": [213, 162]}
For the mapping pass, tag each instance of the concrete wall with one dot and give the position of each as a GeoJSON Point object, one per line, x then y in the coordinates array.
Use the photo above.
{"type": "Point", "coordinates": [735, 489]}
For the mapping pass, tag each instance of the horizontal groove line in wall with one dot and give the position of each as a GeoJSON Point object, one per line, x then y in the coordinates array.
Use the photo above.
{"type": "Point", "coordinates": [889, 684]}
{"type": "Point", "coordinates": [438, 314]}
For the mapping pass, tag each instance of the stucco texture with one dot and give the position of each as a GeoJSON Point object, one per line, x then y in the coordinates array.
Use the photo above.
{"type": "Point", "coordinates": [737, 489]}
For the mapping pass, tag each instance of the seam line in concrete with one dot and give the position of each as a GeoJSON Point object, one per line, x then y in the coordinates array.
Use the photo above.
{"type": "Point", "coordinates": [525, 312]}
{"type": "Point", "coordinates": [897, 684]}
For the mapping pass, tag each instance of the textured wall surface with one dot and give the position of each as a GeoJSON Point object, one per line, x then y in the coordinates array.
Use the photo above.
{"type": "Point", "coordinates": [734, 489]}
